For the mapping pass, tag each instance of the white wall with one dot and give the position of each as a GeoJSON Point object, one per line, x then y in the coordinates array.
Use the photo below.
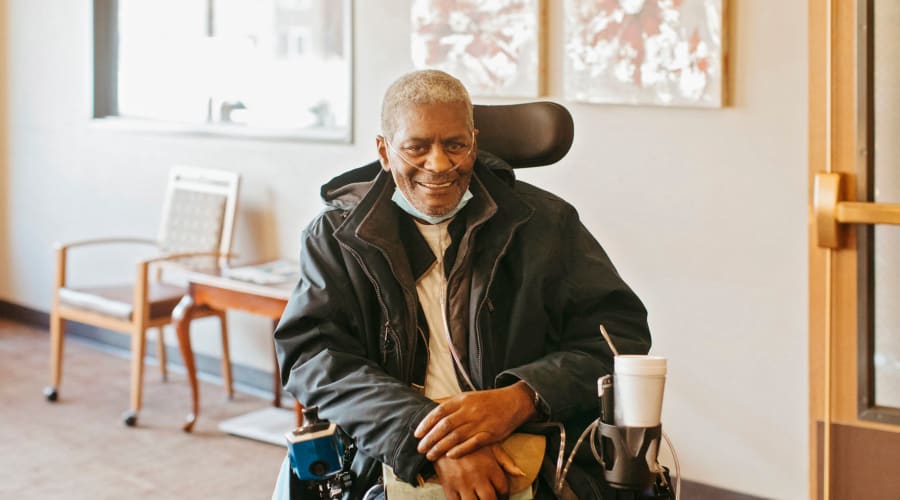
{"type": "Point", "coordinates": [703, 211]}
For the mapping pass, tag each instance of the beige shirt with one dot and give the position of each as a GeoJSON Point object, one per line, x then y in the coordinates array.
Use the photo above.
{"type": "Point", "coordinates": [440, 376]}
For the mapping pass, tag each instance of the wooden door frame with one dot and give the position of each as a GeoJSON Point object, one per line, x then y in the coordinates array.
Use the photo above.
{"type": "Point", "coordinates": [836, 143]}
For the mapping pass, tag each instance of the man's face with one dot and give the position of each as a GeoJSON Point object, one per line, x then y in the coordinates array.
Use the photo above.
{"type": "Point", "coordinates": [431, 156]}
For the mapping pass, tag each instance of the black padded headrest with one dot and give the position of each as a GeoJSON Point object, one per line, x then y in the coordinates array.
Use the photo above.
{"type": "Point", "coordinates": [529, 134]}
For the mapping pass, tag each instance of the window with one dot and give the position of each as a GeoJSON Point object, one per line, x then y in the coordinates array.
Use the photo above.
{"type": "Point", "coordinates": [245, 67]}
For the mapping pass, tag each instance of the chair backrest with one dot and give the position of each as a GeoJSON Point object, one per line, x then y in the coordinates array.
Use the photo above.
{"type": "Point", "coordinates": [199, 212]}
{"type": "Point", "coordinates": [529, 134]}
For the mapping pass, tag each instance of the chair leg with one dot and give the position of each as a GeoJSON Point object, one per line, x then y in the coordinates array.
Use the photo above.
{"type": "Point", "coordinates": [57, 332]}
{"type": "Point", "coordinates": [161, 353]}
{"type": "Point", "coordinates": [138, 341]}
{"type": "Point", "coordinates": [226, 357]}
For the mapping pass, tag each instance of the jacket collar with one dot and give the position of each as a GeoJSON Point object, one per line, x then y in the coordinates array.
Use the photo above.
{"type": "Point", "coordinates": [421, 258]}
{"type": "Point", "coordinates": [372, 222]}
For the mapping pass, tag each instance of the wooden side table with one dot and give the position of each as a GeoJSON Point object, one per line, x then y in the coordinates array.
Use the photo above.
{"type": "Point", "coordinates": [218, 292]}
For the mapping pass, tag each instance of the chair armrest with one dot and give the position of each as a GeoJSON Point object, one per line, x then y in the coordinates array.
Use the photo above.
{"type": "Point", "coordinates": [105, 241]}
{"type": "Point", "coordinates": [61, 250]}
{"type": "Point", "coordinates": [184, 255]}
{"type": "Point", "coordinates": [141, 305]}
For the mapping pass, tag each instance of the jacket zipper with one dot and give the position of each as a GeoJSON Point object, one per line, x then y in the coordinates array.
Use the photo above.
{"type": "Point", "coordinates": [421, 388]}
{"type": "Point", "coordinates": [453, 353]}
{"type": "Point", "coordinates": [389, 336]}
{"type": "Point", "coordinates": [485, 301]}
{"type": "Point", "coordinates": [388, 331]}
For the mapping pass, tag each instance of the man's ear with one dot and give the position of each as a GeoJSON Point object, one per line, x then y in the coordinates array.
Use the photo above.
{"type": "Point", "coordinates": [382, 153]}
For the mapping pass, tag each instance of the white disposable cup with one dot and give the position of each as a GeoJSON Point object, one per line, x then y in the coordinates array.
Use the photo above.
{"type": "Point", "coordinates": [638, 384]}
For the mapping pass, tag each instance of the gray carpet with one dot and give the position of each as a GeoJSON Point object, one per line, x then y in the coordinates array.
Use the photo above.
{"type": "Point", "coordinates": [78, 448]}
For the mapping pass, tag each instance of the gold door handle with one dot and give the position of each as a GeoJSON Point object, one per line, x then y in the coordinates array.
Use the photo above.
{"type": "Point", "coordinates": [831, 211]}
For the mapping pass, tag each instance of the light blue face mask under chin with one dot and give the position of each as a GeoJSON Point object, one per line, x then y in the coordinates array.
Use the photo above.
{"type": "Point", "coordinates": [408, 207]}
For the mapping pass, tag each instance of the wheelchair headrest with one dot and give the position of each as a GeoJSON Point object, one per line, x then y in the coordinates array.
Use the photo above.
{"type": "Point", "coordinates": [525, 135]}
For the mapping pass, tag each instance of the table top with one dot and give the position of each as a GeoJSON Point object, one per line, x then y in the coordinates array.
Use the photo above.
{"type": "Point", "coordinates": [220, 279]}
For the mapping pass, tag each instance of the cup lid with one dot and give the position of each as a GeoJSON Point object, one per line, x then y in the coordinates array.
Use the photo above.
{"type": "Point", "coordinates": [639, 364]}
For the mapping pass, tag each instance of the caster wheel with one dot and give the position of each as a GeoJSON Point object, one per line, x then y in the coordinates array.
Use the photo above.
{"type": "Point", "coordinates": [129, 418]}
{"type": "Point", "coordinates": [51, 394]}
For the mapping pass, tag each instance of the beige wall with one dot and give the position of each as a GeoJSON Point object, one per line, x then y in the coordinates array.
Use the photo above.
{"type": "Point", "coordinates": [703, 211]}
{"type": "Point", "coordinates": [4, 150]}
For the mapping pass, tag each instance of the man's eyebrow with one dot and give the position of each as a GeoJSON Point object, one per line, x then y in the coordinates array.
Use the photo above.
{"type": "Point", "coordinates": [457, 137]}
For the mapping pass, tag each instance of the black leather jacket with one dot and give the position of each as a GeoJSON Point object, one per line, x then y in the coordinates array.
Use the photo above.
{"type": "Point", "coordinates": [526, 294]}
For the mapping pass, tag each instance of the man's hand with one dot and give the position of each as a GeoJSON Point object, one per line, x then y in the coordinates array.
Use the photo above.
{"type": "Point", "coordinates": [471, 420]}
{"type": "Point", "coordinates": [479, 475]}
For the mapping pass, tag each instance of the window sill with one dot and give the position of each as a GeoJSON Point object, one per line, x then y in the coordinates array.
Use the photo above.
{"type": "Point", "coordinates": [119, 124]}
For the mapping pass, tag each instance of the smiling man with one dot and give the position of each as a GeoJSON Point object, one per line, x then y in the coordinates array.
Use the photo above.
{"type": "Point", "coordinates": [434, 157]}
{"type": "Point", "coordinates": [442, 305]}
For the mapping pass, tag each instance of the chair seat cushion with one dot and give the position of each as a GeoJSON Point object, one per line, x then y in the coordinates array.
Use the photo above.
{"type": "Point", "coordinates": [116, 300]}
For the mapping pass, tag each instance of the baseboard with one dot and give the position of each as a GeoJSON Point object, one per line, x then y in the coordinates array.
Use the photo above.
{"type": "Point", "coordinates": [245, 377]}
{"type": "Point", "coordinates": [255, 379]}
{"type": "Point", "coordinates": [24, 314]}
{"type": "Point", "coordinates": [699, 491]}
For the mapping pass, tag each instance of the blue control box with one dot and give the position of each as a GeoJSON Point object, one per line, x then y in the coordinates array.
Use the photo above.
{"type": "Point", "coordinates": [316, 452]}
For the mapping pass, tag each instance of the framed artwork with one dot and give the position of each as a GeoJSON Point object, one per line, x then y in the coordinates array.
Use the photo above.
{"type": "Point", "coordinates": [645, 52]}
{"type": "Point", "coordinates": [493, 46]}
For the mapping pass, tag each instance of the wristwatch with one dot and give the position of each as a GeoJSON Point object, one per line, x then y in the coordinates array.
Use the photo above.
{"type": "Point", "coordinates": [539, 414]}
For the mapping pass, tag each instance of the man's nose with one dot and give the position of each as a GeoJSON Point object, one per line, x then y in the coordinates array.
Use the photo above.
{"type": "Point", "coordinates": [438, 161]}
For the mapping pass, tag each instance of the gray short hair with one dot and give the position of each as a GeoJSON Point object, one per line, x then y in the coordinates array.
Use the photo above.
{"type": "Point", "coordinates": [427, 86]}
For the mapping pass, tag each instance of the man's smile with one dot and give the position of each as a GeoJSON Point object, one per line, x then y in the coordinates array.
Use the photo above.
{"type": "Point", "coordinates": [435, 186]}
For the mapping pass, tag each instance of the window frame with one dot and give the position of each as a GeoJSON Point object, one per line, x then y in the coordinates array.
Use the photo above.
{"type": "Point", "coordinates": [105, 113]}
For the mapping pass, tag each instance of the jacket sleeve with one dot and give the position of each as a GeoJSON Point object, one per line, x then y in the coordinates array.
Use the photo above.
{"type": "Point", "coordinates": [589, 292]}
{"type": "Point", "coordinates": [327, 361]}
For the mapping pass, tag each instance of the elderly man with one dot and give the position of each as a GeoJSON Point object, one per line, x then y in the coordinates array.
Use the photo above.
{"type": "Point", "coordinates": [433, 275]}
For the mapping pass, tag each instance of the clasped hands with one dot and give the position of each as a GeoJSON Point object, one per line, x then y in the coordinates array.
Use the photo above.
{"type": "Point", "coordinates": [462, 436]}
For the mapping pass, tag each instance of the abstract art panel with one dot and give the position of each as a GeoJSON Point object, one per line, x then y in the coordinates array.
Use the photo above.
{"type": "Point", "coordinates": [492, 46]}
{"type": "Point", "coordinates": [652, 52]}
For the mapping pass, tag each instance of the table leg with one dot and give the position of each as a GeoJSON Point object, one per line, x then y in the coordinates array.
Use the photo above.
{"type": "Point", "coordinates": [181, 317]}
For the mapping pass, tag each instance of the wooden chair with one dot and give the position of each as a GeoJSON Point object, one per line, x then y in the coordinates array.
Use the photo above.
{"type": "Point", "coordinates": [196, 232]}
